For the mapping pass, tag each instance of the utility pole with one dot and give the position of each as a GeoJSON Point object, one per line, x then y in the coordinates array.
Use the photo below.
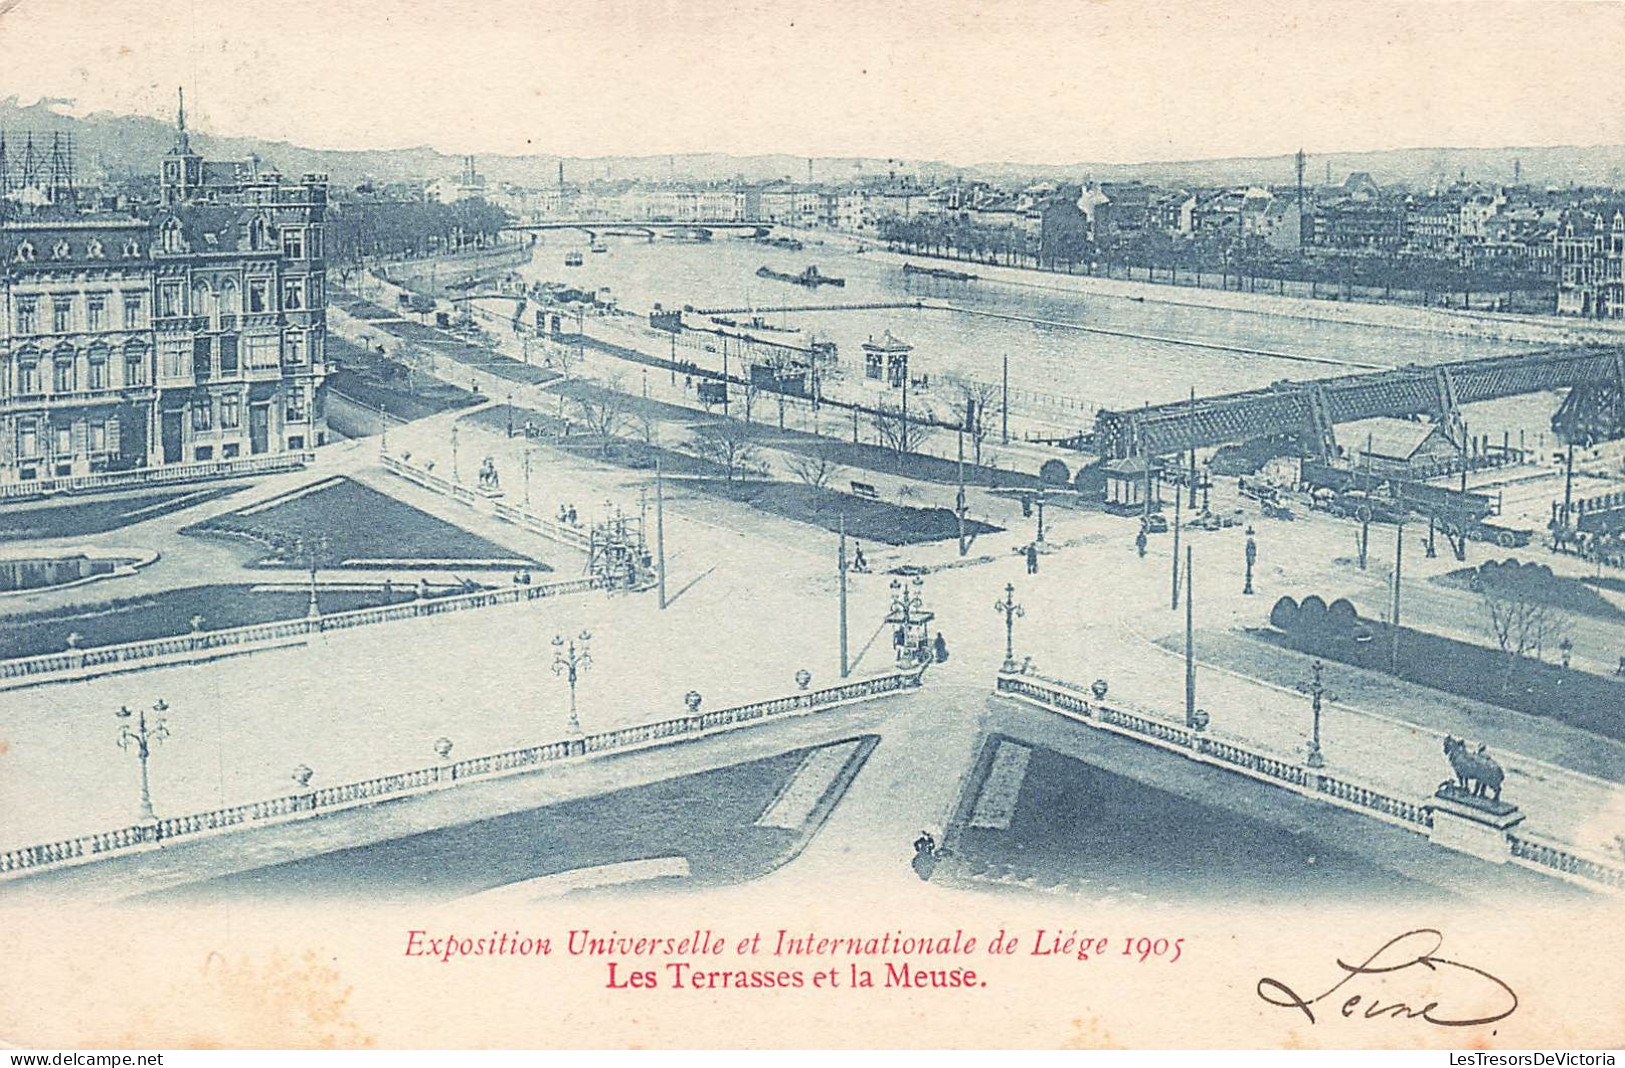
{"type": "Point", "coordinates": [1365, 507]}
{"type": "Point", "coordinates": [1300, 199]}
{"type": "Point", "coordinates": [660, 528]}
{"type": "Point", "coordinates": [959, 505]}
{"type": "Point", "coordinates": [1193, 451]}
{"type": "Point", "coordinates": [1399, 553]}
{"type": "Point", "coordinates": [1190, 646]}
{"type": "Point", "coordinates": [1568, 484]}
{"type": "Point", "coordinates": [1178, 497]}
{"type": "Point", "coordinates": [841, 570]}
{"type": "Point", "coordinates": [1006, 406]}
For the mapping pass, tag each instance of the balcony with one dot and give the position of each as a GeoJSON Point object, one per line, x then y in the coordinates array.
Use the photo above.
{"type": "Point", "coordinates": [180, 324]}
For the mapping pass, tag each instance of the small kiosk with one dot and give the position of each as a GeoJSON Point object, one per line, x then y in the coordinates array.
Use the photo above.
{"type": "Point", "coordinates": [886, 360]}
{"type": "Point", "coordinates": [1129, 482]}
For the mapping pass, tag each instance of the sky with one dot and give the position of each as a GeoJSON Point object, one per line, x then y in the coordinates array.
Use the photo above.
{"type": "Point", "coordinates": [1018, 81]}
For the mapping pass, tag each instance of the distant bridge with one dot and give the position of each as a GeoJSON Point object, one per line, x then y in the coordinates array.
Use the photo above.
{"type": "Point", "coordinates": [1312, 408]}
{"type": "Point", "coordinates": [593, 227]}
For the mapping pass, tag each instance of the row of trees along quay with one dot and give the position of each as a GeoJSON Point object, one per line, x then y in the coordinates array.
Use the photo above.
{"type": "Point", "coordinates": [1251, 264]}
{"type": "Point", "coordinates": [369, 227]}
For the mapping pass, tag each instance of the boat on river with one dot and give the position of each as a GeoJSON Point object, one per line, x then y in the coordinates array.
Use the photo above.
{"type": "Point", "coordinates": [809, 278]}
{"type": "Point", "coordinates": [939, 272]}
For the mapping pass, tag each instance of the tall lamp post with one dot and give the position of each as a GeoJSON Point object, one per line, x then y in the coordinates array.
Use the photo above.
{"type": "Point", "coordinates": [314, 551]}
{"type": "Point", "coordinates": [1011, 610]}
{"type": "Point", "coordinates": [1317, 693]}
{"type": "Point", "coordinates": [142, 738]}
{"type": "Point", "coordinates": [1252, 558]}
{"type": "Point", "coordinates": [570, 662]}
{"type": "Point", "coordinates": [455, 477]}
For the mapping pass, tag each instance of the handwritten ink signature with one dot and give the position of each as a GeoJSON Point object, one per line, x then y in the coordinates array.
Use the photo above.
{"type": "Point", "coordinates": [1414, 949]}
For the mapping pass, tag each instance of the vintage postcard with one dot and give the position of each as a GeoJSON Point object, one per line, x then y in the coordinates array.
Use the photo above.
{"type": "Point", "coordinates": [681, 523]}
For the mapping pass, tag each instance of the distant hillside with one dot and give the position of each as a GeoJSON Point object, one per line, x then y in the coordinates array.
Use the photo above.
{"type": "Point", "coordinates": [119, 144]}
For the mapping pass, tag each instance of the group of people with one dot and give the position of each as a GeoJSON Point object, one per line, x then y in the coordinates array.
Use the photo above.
{"type": "Point", "coordinates": [567, 514]}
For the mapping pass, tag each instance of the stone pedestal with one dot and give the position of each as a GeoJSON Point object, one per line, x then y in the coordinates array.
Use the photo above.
{"type": "Point", "coordinates": [1477, 826]}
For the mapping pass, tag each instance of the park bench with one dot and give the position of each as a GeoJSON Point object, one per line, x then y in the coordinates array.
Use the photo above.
{"type": "Point", "coordinates": [865, 490]}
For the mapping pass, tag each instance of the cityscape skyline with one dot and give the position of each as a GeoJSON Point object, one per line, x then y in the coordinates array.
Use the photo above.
{"type": "Point", "coordinates": [921, 83]}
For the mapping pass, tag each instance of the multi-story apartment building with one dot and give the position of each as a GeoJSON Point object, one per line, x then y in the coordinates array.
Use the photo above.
{"type": "Point", "coordinates": [1588, 253]}
{"type": "Point", "coordinates": [196, 333]}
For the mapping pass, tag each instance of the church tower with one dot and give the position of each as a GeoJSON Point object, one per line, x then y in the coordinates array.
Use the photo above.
{"type": "Point", "coordinates": [183, 168]}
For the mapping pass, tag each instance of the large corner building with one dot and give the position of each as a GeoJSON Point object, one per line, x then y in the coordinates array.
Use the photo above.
{"type": "Point", "coordinates": [192, 334]}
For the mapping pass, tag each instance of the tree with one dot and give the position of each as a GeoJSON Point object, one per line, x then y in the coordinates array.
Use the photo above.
{"type": "Point", "coordinates": [727, 443]}
{"type": "Point", "coordinates": [974, 399]}
{"type": "Point", "coordinates": [818, 466]}
{"type": "Point", "coordinates": [1518, 623]}
{"type": "Point", "coordinates": [900, 434]}
{"type": "Point", "coordinates": [604, 410]}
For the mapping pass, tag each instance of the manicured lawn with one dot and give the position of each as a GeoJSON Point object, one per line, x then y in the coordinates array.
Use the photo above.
{"type": "Point", "coordinates": [1578, 698]}
{"type": "Point", "coordinates": [866, 520]}
{"type": "Point", "coordinates": [1101, 833]}
{"type": "Point", "coordinates": [169, 613]}
{"type": "Point", "coordinates": [1539, 584]}
{"type": "Point", "coordinates": [75, 517]}
{"type": "Point", "coordinates": [360, 524]}
{"type": "Point", "coordinates": [708, 819]}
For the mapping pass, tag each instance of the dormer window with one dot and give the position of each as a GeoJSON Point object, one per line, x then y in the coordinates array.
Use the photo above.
{"type": "Point", "coordinates": [172, 236]}
{"type": "Point", "coordinates": [25, 252]}
{"type": "Point", "coordinates": [60, 251]}
{"type": "Point", "coordinates": [94, 250]}
{"type": "Point", "coordinates": [132, 249]}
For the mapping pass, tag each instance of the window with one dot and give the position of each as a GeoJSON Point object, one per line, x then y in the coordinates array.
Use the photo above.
{"type": "Point", "coordinates": [169, 299]}
{"type": "Point", "coordinates": [27, 315]}
{"type": "Point", "coordinates": [293, 244]}
{"type": "Point", "coordinates": [228, 354]}
{"type": "Point", "coordinates": [132, 249]}
{"type": "Point", "coordinates": [296, 405]}
{"type": "Point", "coordinates": [231, 412]}
{"type": "Point", "coordinates": [96, 371]}
{"type": "Point", "coordinates": [63, 378]}
{"type": "Point", "coordinates": [96, 312]}
{"type": "Point", "coordinates": [230, 451]}
{"type": "Point", "coordinates": [293, 294]}
{"type": "Point", "coordinates": [27, 439]}
{"type": "Point", "coordinates": [62, 435]}
{"type": "Point", "coordinates": [60, 251]}
{"type": "Point", "coordinates": [94, 250]}
{"type": "Point", "coordinates": [172, 236]}
{"type": "Point", "coordinates": [315, 242]}
{"type": "Point", "coordinates": [202, 358]}
{"type": "Point", "coordinates": [98, 437]}
{"type": "Point", "coordinates": [27, 377]}
{"type": "Point", "coordinates": [135, 365]}
{"type": "Point", "coordinates": [202, 415]}
{"type": "Point", "coordinates": [205, 452]}
{"type": "Point", "coordinates": [134, 311]}
{"type": "Point", "coordinates": [258, 295]}
{"type": "Point", "coordinates": [61, 314]}
{"type": "Point", "coordinates": [316, 291]}
{"type": "Point", "coordinates": [25, 253]}
{"type": "Point", "coordinates": [296, 348]}
{"type": "Point", "coordinates": [264, 350]}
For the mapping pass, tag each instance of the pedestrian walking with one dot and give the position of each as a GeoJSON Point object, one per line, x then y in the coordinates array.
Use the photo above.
{"type": "Point", "coordinates": [1140, 542]}
{"type": "Point", "coordinates": [1032, 558]}
{"type": "Point", "coordinates": [941, 648]}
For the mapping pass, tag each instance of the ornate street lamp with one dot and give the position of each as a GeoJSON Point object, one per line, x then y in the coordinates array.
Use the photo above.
{"type": "Point", "coordinates": [302, 775]}
{"type": "Point", "coordinates": [142, 737]}
{"type": "Point", "coordinates": [910, 621]}
{"type": "Point", "coordinates": [1317, 692]}
{"type": "Point", "coordinates": [569, 662]}
{"type": "Point", "coordinates": [314, 552]}
{"type": "Point", "coordinates": [1011, 610]}
{"type": "Point", "coordinates": [1252, 557]}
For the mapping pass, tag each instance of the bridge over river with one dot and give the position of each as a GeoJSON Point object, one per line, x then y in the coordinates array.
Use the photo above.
{"type": "Point", "coordinates": [1312, 408]}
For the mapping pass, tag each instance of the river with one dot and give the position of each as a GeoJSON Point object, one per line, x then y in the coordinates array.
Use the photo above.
{"type": "Point", "coordinates": [1096, 350]}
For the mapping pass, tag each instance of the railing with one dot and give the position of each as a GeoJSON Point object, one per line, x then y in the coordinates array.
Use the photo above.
{"type": "Point", "coordinates": [103, 844]}
{"type": "Point", "coordinates": [1564, 860]}
{"type": "Point", "coordinates": [547, 528]}
{"type": "Point", "coordinates": [189, 646]}
{"type": "Point", "coordinates": [156, 476]}
{"type": "Point", "coordinates": [1232, 756]}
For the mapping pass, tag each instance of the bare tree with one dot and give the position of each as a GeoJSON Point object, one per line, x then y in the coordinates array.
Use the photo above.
{"type": "Point", "coordinates": [1519, 624]}
{"type": "Point", "coordinates": [604, 410]}
{"type": "Point", "coordinates": [974, 399]}
{"type": "Point", "coordinates": [899, 433]}
{"type": "Point", "coordinates": [818, 466]}
{"type": "Point", "coordinates": [728, 443]}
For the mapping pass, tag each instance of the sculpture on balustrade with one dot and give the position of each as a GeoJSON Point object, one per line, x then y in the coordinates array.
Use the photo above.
{"type": "Point", "coordinates": [1477, 773]}
{"type": "Point", "coordinates": [488, 474]}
